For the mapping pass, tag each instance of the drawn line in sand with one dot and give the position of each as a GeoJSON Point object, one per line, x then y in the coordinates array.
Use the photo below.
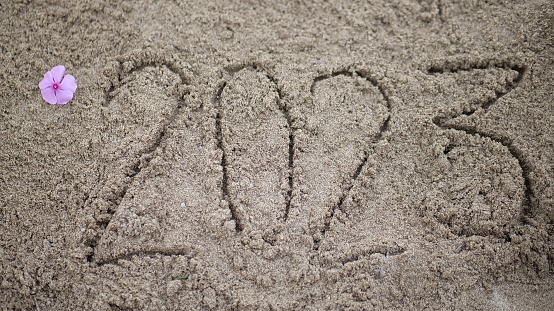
{"type": "Point", "coordinates": [377, 137]}
{"type": "Point", "coordinates": [286, 112]}
{"type": "Point", "coordinates": [239, 226]}
{"type": "Point", "coordinates": [385, 249]}
{"type": "Point", "coordinates": [142, 160]}
{"type": "Point", "coordinates": [530, 204]}
{"type": "Point", "coordinates": [237, 214]}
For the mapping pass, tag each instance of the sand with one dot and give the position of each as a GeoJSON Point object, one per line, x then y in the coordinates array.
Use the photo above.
{"type": "Point", "coordinates": [388, 155]}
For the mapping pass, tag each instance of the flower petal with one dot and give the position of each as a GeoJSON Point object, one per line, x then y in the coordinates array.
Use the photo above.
{"type": "Point", "coordinates": [64, 96]}
{"type": "Point", "coordinates": [49, 95]}
{"type": "Point", "coordinates": [47, 81]}
{"type": "Point", "coordinates": [57, 73]}
{"type": "Point", "coordinates": [68, 84]}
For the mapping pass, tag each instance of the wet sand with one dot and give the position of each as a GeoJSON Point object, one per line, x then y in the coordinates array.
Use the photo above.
{"type": "Point", "coordinates": [285, 156]}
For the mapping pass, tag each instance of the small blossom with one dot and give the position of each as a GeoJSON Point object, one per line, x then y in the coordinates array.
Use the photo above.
{"type": "Point", "coordinates": [57, 88]}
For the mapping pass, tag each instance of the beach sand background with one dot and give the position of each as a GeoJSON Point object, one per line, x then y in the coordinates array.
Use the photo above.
{"type": "Point", "coordinates": [278, 156]}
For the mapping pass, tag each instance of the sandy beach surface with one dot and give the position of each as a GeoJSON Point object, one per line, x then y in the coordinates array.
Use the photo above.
{"type": "Point", "coordinates": [288, 155]}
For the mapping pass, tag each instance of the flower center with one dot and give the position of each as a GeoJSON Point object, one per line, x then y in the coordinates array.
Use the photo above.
{"type": "Point", "coordinates": [55, 86]}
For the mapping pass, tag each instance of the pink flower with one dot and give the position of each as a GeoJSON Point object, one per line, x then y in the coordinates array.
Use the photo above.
{"type": "Point", "coordinates": [57, 88]}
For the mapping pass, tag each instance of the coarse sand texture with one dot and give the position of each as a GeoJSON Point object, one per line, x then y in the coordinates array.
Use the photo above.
{"type": "Point", "coordinates": [319, 155]}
